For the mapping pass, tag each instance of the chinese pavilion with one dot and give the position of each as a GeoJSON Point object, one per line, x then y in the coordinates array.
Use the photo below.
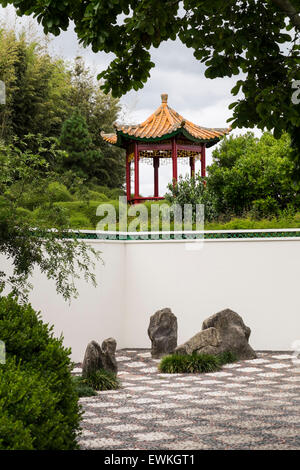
{"type": "Point", "coordinates": [165, 134]}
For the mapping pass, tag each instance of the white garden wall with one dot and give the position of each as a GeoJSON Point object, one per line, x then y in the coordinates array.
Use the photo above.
{"type": "Point", "coordinates": [259, 279]}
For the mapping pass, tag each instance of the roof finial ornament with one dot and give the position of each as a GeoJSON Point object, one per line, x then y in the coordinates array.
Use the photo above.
{"type": "Point", "coordinates": [164, 98]}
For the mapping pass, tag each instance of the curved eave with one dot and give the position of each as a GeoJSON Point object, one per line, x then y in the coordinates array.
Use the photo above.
{"type": "Point", "coordinates": [123, 138]}
{"type": "Point", "coordinates": [109, 138]}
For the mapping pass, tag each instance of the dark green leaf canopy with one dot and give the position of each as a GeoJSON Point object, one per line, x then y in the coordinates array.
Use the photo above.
{"type": "Point", "coordinates": [257, 38]}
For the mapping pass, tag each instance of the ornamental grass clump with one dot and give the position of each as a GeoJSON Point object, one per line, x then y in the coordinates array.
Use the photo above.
{"type": "Point", "coordinates": [102, 380]}
{"type": "Point", "coordinates": [194, 363]}
{"type": "Point", "coordinates": [189, 363]}
{"type": "Point", "coordinates": [82, 388]}
{"type": "Point", "coordinates": [227, 357]}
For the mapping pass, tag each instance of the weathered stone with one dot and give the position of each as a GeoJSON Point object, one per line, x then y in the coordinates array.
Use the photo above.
{"type": "Point", "coordinates": [162, 332]}
{"type": "Point", "coordinates": [207, 340]}
{"type": "Point", "coordinates": [233, 332]}
{"type": "Point", "coordinates": [223, 331]}
{"type": "Point", "coordinates": [109, 347]}
{"type": "Point", "coordinates": [93, 359]}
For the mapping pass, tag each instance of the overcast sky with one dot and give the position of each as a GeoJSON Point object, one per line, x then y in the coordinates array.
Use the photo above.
{"type": "Point", "coordinates": [177, 72]}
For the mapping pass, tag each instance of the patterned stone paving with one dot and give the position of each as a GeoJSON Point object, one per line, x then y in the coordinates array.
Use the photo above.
{"type": "Point", "coordinates": [248, 405]}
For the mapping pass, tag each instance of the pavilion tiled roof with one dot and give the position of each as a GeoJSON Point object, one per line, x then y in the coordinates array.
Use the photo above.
{"type": "Point", "coordinates": [164, 123]}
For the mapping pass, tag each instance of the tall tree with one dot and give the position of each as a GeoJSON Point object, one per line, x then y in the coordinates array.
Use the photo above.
{"type": "Point", "coordinates": [248, 175]}
{"type": "Point", "coordinates": [75, 139]}
{"type": "Point", "coordinates": [37, 87]}
{"type": "Point", "coordinates": [100, 112]}
{"type": "Point", "coordinates": [44, 92]}
{"type": "Point", "coordinates": [257, 37]}
{"type": "Point", "coordinates": [248, 172]}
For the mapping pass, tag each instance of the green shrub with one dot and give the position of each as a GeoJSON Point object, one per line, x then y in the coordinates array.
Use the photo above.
{"type": "Point", "coordinates": [282, 221]}
{"type": "Point", "coordinates": [110, 193]}
{"type": "Point", "coordinates": [33, 345]}
{"type": "Point", "coordinates": [95, 196]}
{"type": "Point", "coordinates": [58, 192]}
{"type": "Point", "coordinates": [82, 388]}
{"type": "Point", "coordinates": [103, 380]}
{"type": "Point", "coordinates": [13, 434]}
{"type": "Point", "coordinates": [25, 214]}
{"type": "Point", "coordinates": [115, 193]}
{"type": "Point", "coordinates": [55, 217]}
{"type": "Point", "coordinates": [264, 208]}
{"type": "Point", "coordinates": [87, 209]}
{"type": "Point", "coordinates": [28, 403]}
{"type": "Point", "coordinates": [189, 363]}
{"type": "Point", "coordinates": [79, 221]}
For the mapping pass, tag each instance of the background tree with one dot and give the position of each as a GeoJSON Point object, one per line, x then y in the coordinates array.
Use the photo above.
{"type": "Point", "coordinates": [44, 92]}
{"type": "Point", "coordinates": [248, 175]}
{"type": "Point", "coordinates": [100, 112]}
{"type": "Point", "coordinates": [193, 191]}
{"type": "Point", "coordinates": [75, 139]}
{"type": "Point", "coordinates": [37, 87]}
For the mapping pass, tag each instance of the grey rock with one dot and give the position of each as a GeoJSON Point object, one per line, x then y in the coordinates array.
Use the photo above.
{"type": "Point", "coordinates": [207, 340]}
{"type": "Point", "coordinates": [223, 331]}
{"type": "Point", "coordinates": [162, 332]}
{"type": "Point", "coordinates": [109, 347]}
{"type": "Point", "coordinates": [93, 359]}
{"type": "Point", "coordinates": [233, 332]}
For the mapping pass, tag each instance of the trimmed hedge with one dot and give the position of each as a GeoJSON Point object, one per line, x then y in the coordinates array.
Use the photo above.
{"type": "Point", "coordinates": [36, 357]}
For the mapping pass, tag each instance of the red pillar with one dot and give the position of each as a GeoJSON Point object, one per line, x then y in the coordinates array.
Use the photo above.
{"type": "Point", "coordinates": [128, 179]}
{"type": "Point", "coordinates": [174, 160]}
{"type": "Point", "coordinates": [203, 161]}
{"type": "Point", "coordinates": [192, 165]}
{"type": "Point", "coordinates": [156, 166]}
{"type": "Point", "coordinates": [136, 171]}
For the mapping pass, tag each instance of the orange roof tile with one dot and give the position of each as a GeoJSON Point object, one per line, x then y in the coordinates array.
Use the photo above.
{"type": "Point", "coordinates": [164, 121]}
{"type": "Point", "coordinates": [110, 138]}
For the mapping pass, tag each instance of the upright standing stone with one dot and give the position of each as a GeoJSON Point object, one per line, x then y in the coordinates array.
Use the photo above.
{"type": "Point", "coordinates": [93, 359]}
{"type": "Point", "coordinates": [162, 332]}
{"type": "Point", "coordinates": [109, 347]}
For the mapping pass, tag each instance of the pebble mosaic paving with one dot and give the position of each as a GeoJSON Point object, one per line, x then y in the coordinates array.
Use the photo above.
{"type": "Point", "coordinates": [248, 405]}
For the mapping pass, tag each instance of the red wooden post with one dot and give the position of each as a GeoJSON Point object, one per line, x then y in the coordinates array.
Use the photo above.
{"type": "Point", "coordinates": [156, 166]}
{"type": "Point", "coordinates": [128, 177]}
{"type": "Point", "coordinates": [174, 160]}
{"type": "Point", "coordinates": [203, 162]}
{"type": "Point", "coordinates": [136, 172]}
{"type": "Point", "coordinates": [192, 165]}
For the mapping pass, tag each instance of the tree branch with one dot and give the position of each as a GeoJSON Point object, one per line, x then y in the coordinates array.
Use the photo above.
{"type": "Point", "coordinates": [287, 7]}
